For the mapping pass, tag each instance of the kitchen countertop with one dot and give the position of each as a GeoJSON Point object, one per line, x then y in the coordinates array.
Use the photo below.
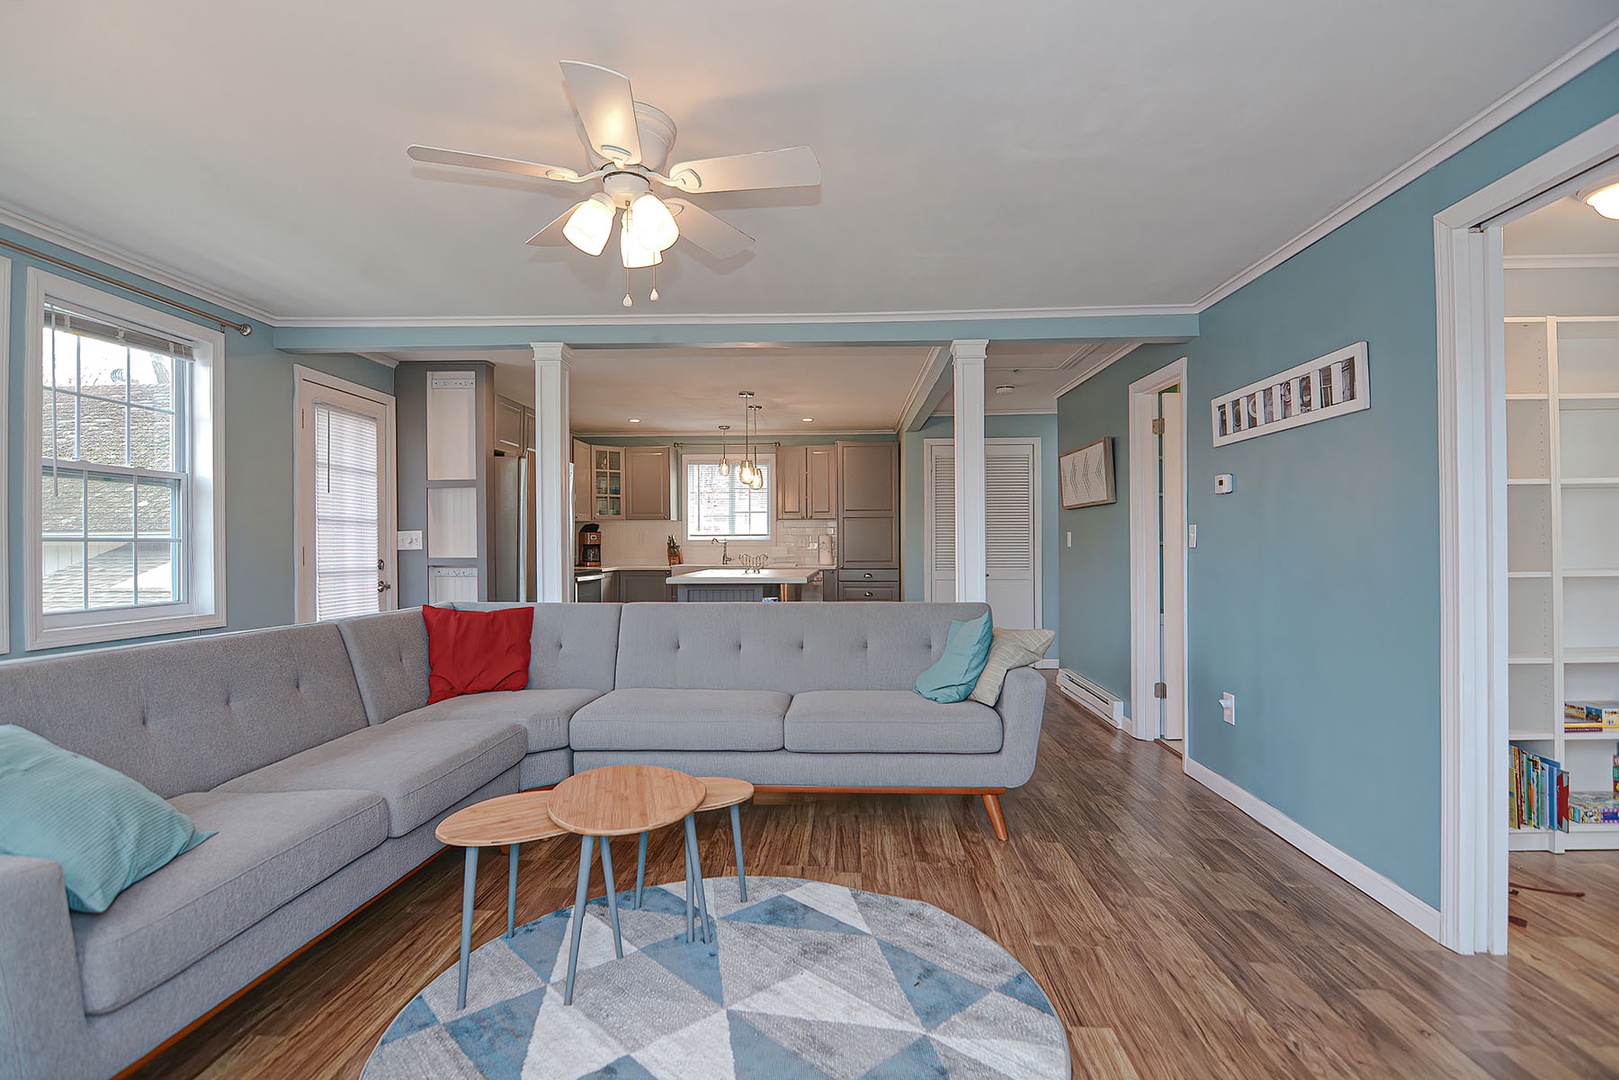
{"type": "Point", "coordinates": [681, 569]}
{"type": "Point", "coordinates": [733, 575]}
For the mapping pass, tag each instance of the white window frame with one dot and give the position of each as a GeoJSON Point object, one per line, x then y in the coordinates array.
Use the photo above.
{"type": "Point", "coordinates": [767, 460]}
{"type": "Point", "coordinates": [204, 521]}
{"type": "Point", "coordinates": [5, 461]}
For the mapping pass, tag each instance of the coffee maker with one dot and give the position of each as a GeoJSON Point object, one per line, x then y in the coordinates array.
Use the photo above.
{"type": "Point", "coordinates": [590, 544]}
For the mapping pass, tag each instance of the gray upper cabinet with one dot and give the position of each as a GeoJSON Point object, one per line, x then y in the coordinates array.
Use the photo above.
{"type": "Point", "coordinates": [584, 479]}
{"type": "Point", "coordinates": [821, 468]}
{"type": "Point", "coordinates": [790, 477]}
{"type": "Point", "coordinates": [509, 435]}
{"type": "Point", "coordinates": [647, 482]}
{"type": "Point", "coordinates": [867, 477]}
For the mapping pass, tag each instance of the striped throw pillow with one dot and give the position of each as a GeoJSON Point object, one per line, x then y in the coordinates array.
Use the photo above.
{"type": "Point", "coordinates": [1010, 649]}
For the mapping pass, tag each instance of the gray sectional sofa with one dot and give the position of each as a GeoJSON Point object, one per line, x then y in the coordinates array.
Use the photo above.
{"type": "Point", "coordinates": [312, 752]}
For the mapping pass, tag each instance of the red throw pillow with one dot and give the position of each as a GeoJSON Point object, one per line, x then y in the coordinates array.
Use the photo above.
{"type": "Point", "coordinates": [469, 652]}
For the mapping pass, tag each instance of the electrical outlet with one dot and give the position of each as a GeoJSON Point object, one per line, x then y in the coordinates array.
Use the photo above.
{"type": "Point", "coordinates": [409, 541]}
{"type": "Point", "coordinates": [1228, 708]}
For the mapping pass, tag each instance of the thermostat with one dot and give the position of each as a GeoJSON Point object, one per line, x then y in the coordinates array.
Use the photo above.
{"type": "Point", "coordinates": [1222, 484]}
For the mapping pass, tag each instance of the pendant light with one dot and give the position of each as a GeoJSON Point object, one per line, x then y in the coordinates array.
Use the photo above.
{"type": "Point", "coordinates": [725, 460]}
{"type": "Point", "coordinates": [745, 471]}
{"type": "Point", "coordinates": [757, 480]}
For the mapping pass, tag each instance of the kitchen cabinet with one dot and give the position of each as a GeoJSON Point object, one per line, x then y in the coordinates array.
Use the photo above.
{"type": "Point", "coordinates": [509, 427]}
{"type": "Point", "coordinates": [528, 430]}
{"type": "Point", "coordinates": [583, 482]}
{"type": "Point", "coordinates": [868, 513]}
{"type": "Point", "coordinates": [607, 483]}
{"type": "Point", "coordinates": [806, 482]}
{"type": "Point", "coordinates": [647, 481]}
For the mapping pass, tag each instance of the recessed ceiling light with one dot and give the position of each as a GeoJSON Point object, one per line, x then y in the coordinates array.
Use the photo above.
{"type": "Point", "coordinates": [635, 419]}
{"type": "Point", "coordinates": [807, 419]}
{"type": "Point", "coordinates": [1005, 388]}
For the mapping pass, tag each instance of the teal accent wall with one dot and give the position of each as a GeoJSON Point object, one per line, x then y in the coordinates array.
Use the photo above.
{"type": "Point", "coordinates": [1314, 589]}
{"type": "Point", "coordinates": [1042, 426]}
{"type": "Point", "coordinates": [258, 435]}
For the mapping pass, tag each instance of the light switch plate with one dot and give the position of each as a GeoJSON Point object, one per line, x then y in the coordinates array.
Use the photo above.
{"type": "Point", "coordinates": [1228, 708]}
{"type": "Point", "coordinates": [1223, 483]}
{"type": "Point", "coordinates": [1191, 536]}
{"type": "Point", "coordinates": [409, 541]}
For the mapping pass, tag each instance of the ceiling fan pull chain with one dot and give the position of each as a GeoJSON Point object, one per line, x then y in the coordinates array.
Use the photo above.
{"type": "Point", "coordinates": [627, 301]}
{"type": "Point", "coordinates": [654, 295]}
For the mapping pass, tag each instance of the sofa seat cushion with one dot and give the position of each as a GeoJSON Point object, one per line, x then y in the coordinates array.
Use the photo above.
{"type": "Point", "coordinates": [888, 722]}
{"type": "Point", "coordinates": [646, 719]}
{"type": "Point", "coordinates": [544, 714]}
{"type": "Point", "coordinates": [419, 768]}
{"type": "Point", "coordinates": [268, 849]}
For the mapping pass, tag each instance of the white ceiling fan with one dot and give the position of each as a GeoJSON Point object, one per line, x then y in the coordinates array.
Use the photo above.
{"type": "Point", "coordinates": [628, 142]}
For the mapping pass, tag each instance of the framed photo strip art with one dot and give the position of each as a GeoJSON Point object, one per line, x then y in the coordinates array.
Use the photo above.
{"type": "Point", "coordinates": [1327, 386]}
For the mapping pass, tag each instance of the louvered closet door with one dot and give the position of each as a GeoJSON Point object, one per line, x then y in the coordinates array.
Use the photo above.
{"type": "Point", "coordinates": [1009, 494]}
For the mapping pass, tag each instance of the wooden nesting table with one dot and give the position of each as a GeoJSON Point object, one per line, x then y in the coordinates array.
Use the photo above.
{"type": "Point", "coordinates": [595, 805]}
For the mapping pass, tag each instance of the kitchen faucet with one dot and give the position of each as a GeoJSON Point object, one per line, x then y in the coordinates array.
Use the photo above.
{"type": "Point", "coordinates": [725, 555]}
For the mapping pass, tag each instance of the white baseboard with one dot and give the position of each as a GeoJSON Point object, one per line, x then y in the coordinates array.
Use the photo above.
{"type": "Point", "coordinates": [1423, 916]}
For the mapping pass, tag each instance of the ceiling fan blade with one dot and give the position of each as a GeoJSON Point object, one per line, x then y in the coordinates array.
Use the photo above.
{"type": "Point", "coordinates": [607, 109]}
{"type": "Point", "coordinates": [551, 235]}
{"type": "Point", "coordinates": [795, 166]}
{"type": "Point", "coordinates": [436, 156]}
{"type": "Point", "coordinates": [708, 232]}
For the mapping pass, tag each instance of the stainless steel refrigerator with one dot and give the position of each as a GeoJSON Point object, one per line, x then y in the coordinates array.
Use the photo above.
{"type": "Point", "coordinates": [513, 574]}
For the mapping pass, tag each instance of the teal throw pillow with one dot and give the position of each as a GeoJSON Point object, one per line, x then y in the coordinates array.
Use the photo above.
{"type": "Point", "coordinates": [105, 829]}
{"type": "Point", "coordinates": [955, 674]}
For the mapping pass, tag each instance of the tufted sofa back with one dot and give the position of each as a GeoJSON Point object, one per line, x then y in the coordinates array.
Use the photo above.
{"type": "Point", "coordinates": [573, 647]}
{"type": "Point", "coordinates": [189, 715]}
{"type": "Point", "coordinates": [787, 647]}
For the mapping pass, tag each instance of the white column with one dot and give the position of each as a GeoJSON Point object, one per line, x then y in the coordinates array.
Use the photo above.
{"type": "Point", "coordinates": [967, 360]}
{"type": "Point", "coordinates": [553, 445]}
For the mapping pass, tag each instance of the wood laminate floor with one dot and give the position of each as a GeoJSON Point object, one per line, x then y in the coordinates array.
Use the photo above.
{"type": "Point", "coordinates": [1176, 937]}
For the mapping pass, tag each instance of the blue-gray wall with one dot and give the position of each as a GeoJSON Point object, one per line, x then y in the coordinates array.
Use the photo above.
{"type": "Point", "coordinates": [258, 433]}
{"type": "Point", "coordinates": [1042, 426]}
{"type": "Point", "coordinates": [1314, 588]}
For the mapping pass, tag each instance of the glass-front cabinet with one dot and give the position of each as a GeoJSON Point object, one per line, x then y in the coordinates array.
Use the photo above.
{"type": "Point", "coordinates": [608, 481]}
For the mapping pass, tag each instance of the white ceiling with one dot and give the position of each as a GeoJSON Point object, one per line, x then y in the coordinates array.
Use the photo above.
{"type": "Point", "coordinates": [1565, 227]}
{"type": "Point", "coordinates": [1050, 154]}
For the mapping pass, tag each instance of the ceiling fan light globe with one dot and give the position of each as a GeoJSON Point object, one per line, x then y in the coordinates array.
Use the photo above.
{"type": "Point", "coordinates": [590, 224]}
{"type": "Point", "coordinates": [635, 254]}
{"type": "Point", "coordinates": [1604, 200]}
{"type": "Point", "coordinates": [654, 225]}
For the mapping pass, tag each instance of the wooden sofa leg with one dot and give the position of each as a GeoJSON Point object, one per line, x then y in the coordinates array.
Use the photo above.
{"type": "Point", "coordinates": [992, 803]}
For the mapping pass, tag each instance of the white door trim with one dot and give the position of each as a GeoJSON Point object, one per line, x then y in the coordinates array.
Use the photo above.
{"type": "Point", "coordinates": [1145, 602]}
{"type": "Point", "coordinates": [306, 382]}
{"type": "Point", "coordinates": [1472, 531]}
{"type": "Point", "coordinates": [929, 449]}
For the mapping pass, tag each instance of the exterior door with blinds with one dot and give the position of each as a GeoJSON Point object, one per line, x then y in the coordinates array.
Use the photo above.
{"type": "Point", "coordinates": [1011, 512]}
{"type": "Point", "coordinates": [345, 499]}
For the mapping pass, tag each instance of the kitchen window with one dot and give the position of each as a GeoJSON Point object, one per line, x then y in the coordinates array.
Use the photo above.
{"type": "Point", "coordinates": [721, 506]}
{"type": "Point", "coordinates": [122, 507]}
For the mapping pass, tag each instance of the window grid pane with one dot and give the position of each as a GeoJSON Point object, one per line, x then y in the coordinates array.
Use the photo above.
{"type": "Point", "coordinates": [110, 540]}
{"type": "Point", "coordinates": [723, 506]}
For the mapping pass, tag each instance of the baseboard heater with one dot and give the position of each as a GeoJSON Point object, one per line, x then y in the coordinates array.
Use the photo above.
{"type": "Point", "coordinates": [1091, 696]}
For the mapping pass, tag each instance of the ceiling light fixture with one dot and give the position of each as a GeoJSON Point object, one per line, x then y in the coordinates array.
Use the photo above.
{"type": "Point", "coordinates": [748, 474]}
{"type": "Point", "coordinates": [725, 456]}
{"type": "Point", "coordinates": [1005, 388]}
{"type": "Point", "coordinates": [590, 224]}
{"type": "Point", "coordinates": [1604, 199]}
{"type": "Point", "coordinates": [635, 419]}
{"type": "Point", "coordinates": [807, 419]}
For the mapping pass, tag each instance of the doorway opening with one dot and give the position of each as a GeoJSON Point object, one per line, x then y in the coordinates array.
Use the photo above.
{"type": "Point", "coordinates": [344, 498]}
{"type": "Point", "coordinates": [1158, 545]}
{"type": "Point", "coordinates": [1509, 433]}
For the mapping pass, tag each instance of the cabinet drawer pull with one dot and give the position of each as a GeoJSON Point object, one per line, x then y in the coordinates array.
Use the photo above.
{"type": "Point", "coordinates": [868, 592]}
{"type": "Point", "coordinates": [866, 576]}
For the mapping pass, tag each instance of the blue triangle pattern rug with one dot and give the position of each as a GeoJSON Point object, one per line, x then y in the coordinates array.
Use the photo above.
{"type": "Point", "coordinates": [805, 980]}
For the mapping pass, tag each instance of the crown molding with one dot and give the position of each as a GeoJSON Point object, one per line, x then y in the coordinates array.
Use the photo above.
{"type": "Point", "coordinates": [1554, 75]}
{"type": "Point", "coordinates": [1609, 261]}
{"type": "Point", "coordinates": [774, 319]}
{"type": "Point", "coordinates": [1113, 356]}
{"type": "Point", "coordinates": [119, 259]}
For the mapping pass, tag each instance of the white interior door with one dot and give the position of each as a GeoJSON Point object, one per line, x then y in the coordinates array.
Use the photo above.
{"type": "Point", "coordinates": [345, 492]}
{"type": "Point", "coordinates": [1011, 512]}
{"type": "Point", "coordinates": [1172, 496]}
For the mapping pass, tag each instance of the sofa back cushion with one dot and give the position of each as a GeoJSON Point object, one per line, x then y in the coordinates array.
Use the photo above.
{"type": "Point", "coordinates": [189, 715]}
{"type": "Point", "coordinates": [574, 647]}
{"type": "Point", "coordinates": [787, 647]}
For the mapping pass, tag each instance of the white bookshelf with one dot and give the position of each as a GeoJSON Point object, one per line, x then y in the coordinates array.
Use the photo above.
{"type": "Point", "coordinates": [1562, 412]}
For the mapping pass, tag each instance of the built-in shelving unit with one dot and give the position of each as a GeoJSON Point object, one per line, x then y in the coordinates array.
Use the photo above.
{"type": "Point", "coordinates": [1562, 414]}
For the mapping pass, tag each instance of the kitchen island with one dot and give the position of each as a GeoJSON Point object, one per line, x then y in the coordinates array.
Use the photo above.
{"type": "Point", "coordinates": [730, 584]}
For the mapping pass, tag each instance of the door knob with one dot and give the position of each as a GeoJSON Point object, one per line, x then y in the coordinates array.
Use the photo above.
{"type": "Point", "coordinates": [383, 586]}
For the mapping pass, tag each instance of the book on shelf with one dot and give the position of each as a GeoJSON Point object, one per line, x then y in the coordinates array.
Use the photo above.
{"type": "Point", "coordinates": [1593, 808]}
{"type": "Point", "coordinates": [1603, 714]}
{"type": "Point", "coordinates": [1539, 795]}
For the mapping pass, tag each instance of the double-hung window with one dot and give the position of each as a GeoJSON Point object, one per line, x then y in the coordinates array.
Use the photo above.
{"type": "Point", "coordinates": [720, 506]}
{"type": "Point", "coordinates": [123, 505]}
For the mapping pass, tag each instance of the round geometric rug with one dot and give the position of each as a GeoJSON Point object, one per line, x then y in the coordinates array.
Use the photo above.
{"type": "Point", "coordinates": [805, 980]}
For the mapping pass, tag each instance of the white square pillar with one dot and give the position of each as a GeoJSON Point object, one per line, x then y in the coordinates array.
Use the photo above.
{"type": "Point", "coordinates": [972, 563]}
{"type": "Point", "coordinates": [553, 502]}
